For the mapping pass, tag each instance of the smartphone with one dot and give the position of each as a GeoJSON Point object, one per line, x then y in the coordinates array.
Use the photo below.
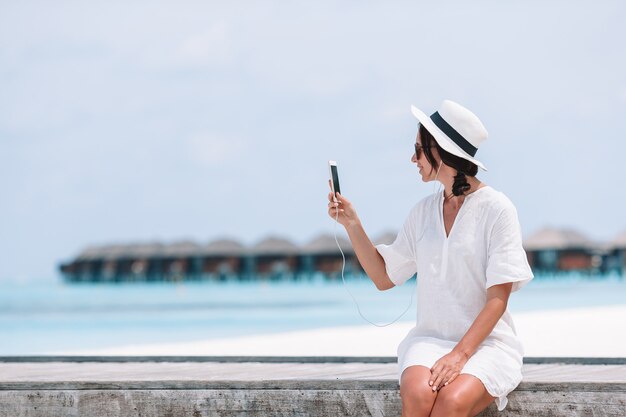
{"type": "Point", "coordinates": [334, 178]}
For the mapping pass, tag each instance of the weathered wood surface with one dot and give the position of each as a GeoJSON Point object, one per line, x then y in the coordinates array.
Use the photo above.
{"type": "Point", "coordinates": [285, 359]}
{"type": "Point", "coordinates": [281, 402]}
{"type": "Point", "coordinates": [198, 403]}
{"type": "Point", "coordinates": [278, 389]}
{"type": "Point", "coordinates": [12, 373]}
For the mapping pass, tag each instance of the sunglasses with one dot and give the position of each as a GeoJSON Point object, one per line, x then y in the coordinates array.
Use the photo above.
{"type": "Point", "coordinates": [418, 150]}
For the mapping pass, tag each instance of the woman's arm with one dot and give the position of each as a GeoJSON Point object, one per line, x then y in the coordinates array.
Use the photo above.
{"type": "Point", "coordinates": [446, 369]}
{"type": "Point", "coordinates": [372, 262]}
{"type": "Point", "coordinates": [369, 258]}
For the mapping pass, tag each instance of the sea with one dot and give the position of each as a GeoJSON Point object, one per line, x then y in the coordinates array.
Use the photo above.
{"type": "Point", "coordinates": [55, 317]}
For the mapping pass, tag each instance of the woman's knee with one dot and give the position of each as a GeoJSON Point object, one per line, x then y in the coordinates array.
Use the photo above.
{"type": "Point", "coordinates": [417, 394]}
{"type": "Point", "coordinates": [460, 397]}
{"type": "Point", "coordinates": [452, 402]}
{"type": "Point", "coordinates": [414, 389]}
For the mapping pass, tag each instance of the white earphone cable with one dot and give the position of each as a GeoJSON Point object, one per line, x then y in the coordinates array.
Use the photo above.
{"type": "Point", "coordinates": [346, 285]}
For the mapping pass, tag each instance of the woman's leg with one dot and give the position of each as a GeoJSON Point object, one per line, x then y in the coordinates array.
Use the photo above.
{"type": "Point", "coordinates": [417, 396]}
{"type": "Point", "coordinates": [465, 396]}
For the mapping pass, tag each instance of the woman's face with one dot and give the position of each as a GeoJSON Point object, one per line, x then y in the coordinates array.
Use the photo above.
{"type": "Point", "coordinates": [426, 170]}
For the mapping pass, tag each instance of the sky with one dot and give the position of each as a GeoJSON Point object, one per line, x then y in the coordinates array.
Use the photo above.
{"type": "Point", "coordinates": [165, 121]}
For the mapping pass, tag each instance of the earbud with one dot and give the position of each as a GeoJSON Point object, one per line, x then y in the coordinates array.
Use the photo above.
{"type": "Point", "coordinates": [436, 175]}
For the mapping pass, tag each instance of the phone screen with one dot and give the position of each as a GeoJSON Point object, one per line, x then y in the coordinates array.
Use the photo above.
{"type": "Point", "coordinates": [335, 175]}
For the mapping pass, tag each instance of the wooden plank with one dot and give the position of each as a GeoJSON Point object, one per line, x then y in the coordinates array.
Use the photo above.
{"type": "Point", "coordinates": [271, 371]}
{"type": "Point", "coordinates": [162, 389]}
{"type": "Point", "coordinates": [286, 359]}
{"type": "Point", "coordinates": [198, 403]}
{"type": "Point", "coordinates": [322, 403]}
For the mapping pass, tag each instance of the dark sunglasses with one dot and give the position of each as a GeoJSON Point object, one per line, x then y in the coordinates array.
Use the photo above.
{"type": "Point", "coordinates": [418, 150]}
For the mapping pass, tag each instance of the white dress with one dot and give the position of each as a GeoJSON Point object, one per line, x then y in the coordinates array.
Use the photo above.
{"type": "Point", "coordinates": [484, 248]}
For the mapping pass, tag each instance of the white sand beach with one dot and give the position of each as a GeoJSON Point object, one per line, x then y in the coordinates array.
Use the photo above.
{"type": "Point", "coordinates": [584, 332]}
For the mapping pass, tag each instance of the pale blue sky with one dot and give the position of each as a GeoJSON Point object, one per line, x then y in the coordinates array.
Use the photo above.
{"type": "Point", "coordinates": [136, 121]}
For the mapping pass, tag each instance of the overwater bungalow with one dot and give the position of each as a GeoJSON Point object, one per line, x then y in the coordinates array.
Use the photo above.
{"type": "Point", "coordinates": [111, 263]}
{"type": "Point", "coordinates": [272, 258]}
{"type": "Point", "coordinates": [145, 262]}
{"type": "Point", "coordinates": [322, 255]}
{"type": "Point", "coordinates": [84, 267]}
{"type": "Point", "coordinates": [553, 250]}
{"type": "Point", "coordinates": [221, 260]}
{"type": "Point", "coordinates": [179, 260]}
{"type": "Point", "coordinates": [615, 258]}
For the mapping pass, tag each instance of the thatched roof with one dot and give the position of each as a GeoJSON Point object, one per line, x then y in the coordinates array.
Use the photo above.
{"type": "Point", "coordinates": [146, 250]}
{"type": "Point", "coordinates": [325, 244]}
{"type": "Point", "coordinates": [118, 251]}
{"type": "Point", "coordinates": [554, 238]}
{"type": "Point", "coordinates": [90, 253]}
{"type": "Point", "coordinates": [386, 238]}
{"type": "Point", "coordinates": [182, 248]}
{"type": "Point", "coordinates": [619, 241]}
{"type": "Point", "coordinates": [274, 246]}
{"type": "Point", "coordinates": [223, 247]}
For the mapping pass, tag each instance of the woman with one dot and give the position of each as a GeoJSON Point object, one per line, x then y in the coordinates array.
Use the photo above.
{"type": "Point", "coordinates": [465, 245]}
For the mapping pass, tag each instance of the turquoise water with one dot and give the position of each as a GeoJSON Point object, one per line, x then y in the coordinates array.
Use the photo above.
{"type": "Point", "coordinates": [57, 317]}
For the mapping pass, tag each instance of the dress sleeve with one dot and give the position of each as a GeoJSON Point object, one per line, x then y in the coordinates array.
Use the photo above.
{"type": "Point", "coordinates": [506, 259]}
{"type": "Point", "coordinates": [400, 257]}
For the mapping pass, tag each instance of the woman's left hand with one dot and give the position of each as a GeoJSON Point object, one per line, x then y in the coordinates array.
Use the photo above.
{"type": "Point", "coordinates": [446, 369]}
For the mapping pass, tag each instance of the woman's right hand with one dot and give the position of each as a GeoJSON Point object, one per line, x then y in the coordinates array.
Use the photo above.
{"type": "Point", "coordinates": [347, 213]}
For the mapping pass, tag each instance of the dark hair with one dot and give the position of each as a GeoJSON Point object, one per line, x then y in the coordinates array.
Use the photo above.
{"type": "Point", "coordinates": [463, 166]}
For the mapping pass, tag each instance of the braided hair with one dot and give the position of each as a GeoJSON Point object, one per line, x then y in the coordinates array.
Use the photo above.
{"type": "Point", "coordinates": [463, 167]}
{"type": "Point", "coordinates": [460, 185]}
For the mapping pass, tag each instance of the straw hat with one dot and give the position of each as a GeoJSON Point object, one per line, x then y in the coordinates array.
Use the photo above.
{"type": "Point", "coordinates": [456, 129]}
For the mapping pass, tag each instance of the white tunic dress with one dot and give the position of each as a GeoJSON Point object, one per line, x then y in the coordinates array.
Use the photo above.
{"type": "Point", "coordinates": [484, 248]}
